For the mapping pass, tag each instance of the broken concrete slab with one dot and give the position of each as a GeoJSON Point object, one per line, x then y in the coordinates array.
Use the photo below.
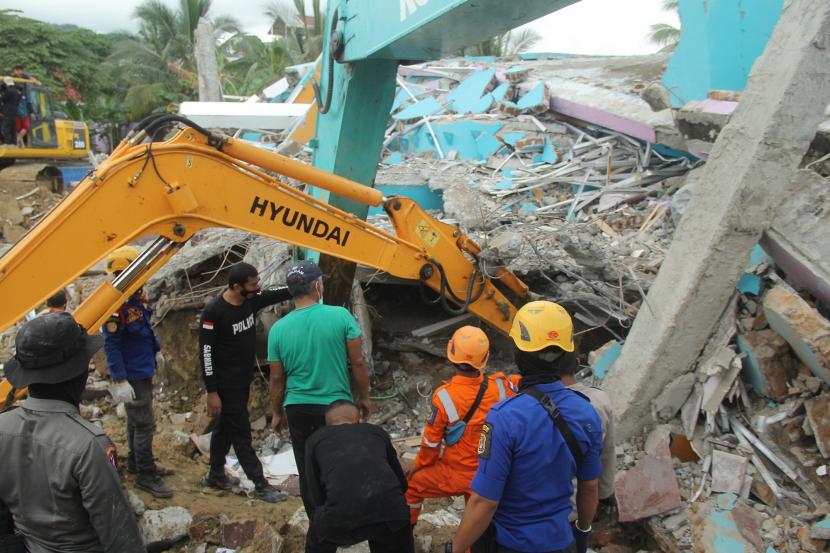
{"type": "Point", "coordinates": [807, 332]}
{"type": "Point", "coordinates": [650, 488]}
{"type": "Point", "coordinates": [672, 399]}
{"type": "Point", "coordinates": [768, 364]}
{"type": "Point", "coordinates": [535, 100]}
{"type": "Point", "coordinates": [799, 239]}
{"type": "Point", "coordinates": [472, 95]}
{"type": "Point", "coordinates": [739, 191]}
{"type": "Point", "coordinates": [165, 527]}
{"type": "Point", "coordinates": [818, 417]}
{"type": "Point", "coordinates": [728, 471]}
{"type": "Point", "coordinates": [417, 111]}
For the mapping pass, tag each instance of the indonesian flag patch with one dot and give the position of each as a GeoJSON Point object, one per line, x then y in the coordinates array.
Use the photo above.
{"type": "Point", "coordinates": [207, 325]}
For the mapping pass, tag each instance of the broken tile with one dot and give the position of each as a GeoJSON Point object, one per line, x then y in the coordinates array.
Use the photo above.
{"type": "Point", "coordinates": [517, 73]}
{"type": "Point", "coordinates": [768, 364]}
{"type": "Point", "coordinates": [472, 95]}
{"type": "Point", "coordinates": [722, 531]}
{"type": "Point", "coordinates": [536, 100]}
{"type": "Point", "coordinates": [602, 359]}
{"type": "Point", "coordinates": [419, 110]}
{"type": "Point", "coordinates": [820, 530]}
{"type": "Point", "coordinates": [649, 488]}
{"type": "Point", "coordinates": [818, 416]}
{"type": "Point", "coordinates": [807, 332]}
{"type": "Point", "coordinates": [728, 471]}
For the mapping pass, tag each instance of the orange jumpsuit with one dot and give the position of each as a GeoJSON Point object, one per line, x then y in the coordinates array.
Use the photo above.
{"type": "Point", "coordinates": [450, 473]}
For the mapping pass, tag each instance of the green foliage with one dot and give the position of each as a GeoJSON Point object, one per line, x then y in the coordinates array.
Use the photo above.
{"type": "Point", "coordinates": [303, 42]}
{"type": "Point", "coordinates": [663, 34]}
{"type": "Point", "coordinates": [66, 59]}
{"type": "Point", "coordinates": [251, 65]}
{"type": "Point", "coordinates": [506, 44]}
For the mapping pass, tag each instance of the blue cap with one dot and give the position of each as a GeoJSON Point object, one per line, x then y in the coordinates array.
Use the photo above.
{"type": "Point", "coordinates": [303, 272]}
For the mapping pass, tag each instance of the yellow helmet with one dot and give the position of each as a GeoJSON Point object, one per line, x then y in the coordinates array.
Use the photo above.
{"type": "Point", "coordinates": [119, 259]}
{"type": "Point", "coordinates": [469, 346]}
{"type": "Point", "coordinates": [540, 324]}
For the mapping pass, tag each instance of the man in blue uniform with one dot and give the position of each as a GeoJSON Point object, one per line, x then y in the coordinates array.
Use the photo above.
{"type": "Point", "coordinates": [132, 348]}
{"type": "Point", "coordinates": [531, 447]}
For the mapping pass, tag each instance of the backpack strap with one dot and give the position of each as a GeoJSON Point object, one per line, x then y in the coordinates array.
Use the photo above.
{"type": "Point", "coordinates": [481, 391]}
{"type": "Point", "coordinates": [556, 416]}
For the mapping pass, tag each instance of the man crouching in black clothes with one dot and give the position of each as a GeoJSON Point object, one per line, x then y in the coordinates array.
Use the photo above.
{"type": "Point", "coordinates": [356, 486]}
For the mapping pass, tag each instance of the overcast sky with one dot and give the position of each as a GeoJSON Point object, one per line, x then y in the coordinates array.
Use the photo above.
{"type": "Point", "coordinates": [612, 27]}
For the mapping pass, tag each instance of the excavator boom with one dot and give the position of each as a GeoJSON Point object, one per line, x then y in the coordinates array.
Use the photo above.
{"type": "Point", "coordinates": [198, 180]}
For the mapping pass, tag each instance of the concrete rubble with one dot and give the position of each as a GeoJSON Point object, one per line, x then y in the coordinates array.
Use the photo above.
{"type": "Point", "coordinates": [571, 173]}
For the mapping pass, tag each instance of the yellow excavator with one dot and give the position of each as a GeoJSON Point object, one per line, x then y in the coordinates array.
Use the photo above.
{"type": "Point", "coordinates": [199, 179]}
{"type": "Point", "coordinates": [53, 141]}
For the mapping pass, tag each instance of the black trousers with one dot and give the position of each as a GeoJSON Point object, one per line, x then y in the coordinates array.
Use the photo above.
{"type": "Point", "coordinates": [303, 421]}
{"type": "Point", "coordinates": [385, 537]}
{"type": "Point", "coordinates": [234, 429]}
{"type": "Point", "coordinates": [141, 425]}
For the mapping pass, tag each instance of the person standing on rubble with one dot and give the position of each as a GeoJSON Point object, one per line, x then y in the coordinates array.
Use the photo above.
{"type": "Point", "coordinates": [227, 341]}
{"type": "Point", "coordinates": [602, 404]}
{"type": "Point", "coordinates": [9, 100]}
{"type": "Point", "coordinates": [532, 446]}
{"type": "Point", "coordinates": [133, 354]}
{"type": "Point", "coordinates": [356, 486]}
{"type": "Point", "coordinates": [60, 490]}
{"type": "Point", "coordinates": [310, 351]}
{"type": "Point", "coordinates": [458, 411]}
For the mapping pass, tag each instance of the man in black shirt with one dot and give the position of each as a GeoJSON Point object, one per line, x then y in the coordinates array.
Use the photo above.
{"type": "Point", "coordinates": [356, 486]}
{"type": "Point", "coordinates": [227, 341]}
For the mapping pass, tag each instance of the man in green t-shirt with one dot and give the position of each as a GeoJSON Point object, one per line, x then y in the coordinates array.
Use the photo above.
{"type": "Point", "coordinates": [312, 350]}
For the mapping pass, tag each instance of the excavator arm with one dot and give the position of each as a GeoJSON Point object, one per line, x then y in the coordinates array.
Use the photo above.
{"type": "Point", "coordinates": [197, 180]}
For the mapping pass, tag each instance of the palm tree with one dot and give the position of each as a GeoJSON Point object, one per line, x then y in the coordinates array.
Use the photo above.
{"type": "Point", "coordinates": [663, 34]}
{"type": "Point", "coordinates": [158, 63]}
{"type": "Point", "coordinates": [506, 44]}
{"type": "Point", "coordinates": [305, 42]}
{"type": "Point", "coordinates": [258, 64]}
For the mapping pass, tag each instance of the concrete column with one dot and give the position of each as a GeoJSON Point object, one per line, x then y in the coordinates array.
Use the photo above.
{"type": "Point", "coordinates": [747, 177]}
{"type": "Point", "coordinates": [204, 50]}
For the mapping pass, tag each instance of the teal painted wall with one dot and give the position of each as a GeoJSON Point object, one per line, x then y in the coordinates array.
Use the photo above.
{"type": "Point", "coordinates": [720, 43]}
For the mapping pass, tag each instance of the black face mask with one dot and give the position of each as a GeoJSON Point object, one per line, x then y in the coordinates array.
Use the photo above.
{"type": "Point", "coordinates": [535, 370]}
{"type": "Point", "coordinates": [69, 391]}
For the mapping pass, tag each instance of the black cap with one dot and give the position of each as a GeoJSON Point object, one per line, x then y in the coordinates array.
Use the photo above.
{"type": "Point", "coordinates": [51, 348]}
{"type": "Point", "coordinates": [303, 272]}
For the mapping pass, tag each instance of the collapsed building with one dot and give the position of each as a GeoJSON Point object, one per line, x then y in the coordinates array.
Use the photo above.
{"type": "Point", "coordinates": [575, 173]}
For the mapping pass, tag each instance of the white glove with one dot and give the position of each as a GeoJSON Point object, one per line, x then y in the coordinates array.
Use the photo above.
{"type": "Point", "coordinates": [121, 392]}
{"type": "Point", "coordinates": [161, 362]}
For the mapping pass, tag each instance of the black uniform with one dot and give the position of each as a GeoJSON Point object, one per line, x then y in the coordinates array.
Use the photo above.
{"type": "Point", "coordinates": [227, 342]}
{"type": "Point", "coordinates": [356, 487]}
{"type": "Point", "coordinates": [9, 99]}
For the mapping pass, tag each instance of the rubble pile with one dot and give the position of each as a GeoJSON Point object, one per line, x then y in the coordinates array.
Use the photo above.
{"type": "Point", "coordinates": [581, 211]}
{"type": "Point", "coordinates": [742, 453]}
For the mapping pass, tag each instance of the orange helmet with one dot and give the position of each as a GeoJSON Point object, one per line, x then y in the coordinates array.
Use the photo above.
{"type": "Point", "coordinates": [469, 346]}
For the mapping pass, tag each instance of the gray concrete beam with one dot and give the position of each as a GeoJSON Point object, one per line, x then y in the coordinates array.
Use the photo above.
{"type": "Point", "coordinates": [747, 176]}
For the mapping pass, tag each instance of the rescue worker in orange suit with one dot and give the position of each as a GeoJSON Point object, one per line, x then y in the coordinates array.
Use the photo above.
{"type": "Point", "coordinates": [459, 408]}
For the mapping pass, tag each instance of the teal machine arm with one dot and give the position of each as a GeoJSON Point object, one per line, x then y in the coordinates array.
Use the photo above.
{"type": "Point", "coordinates": [365, 42]}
